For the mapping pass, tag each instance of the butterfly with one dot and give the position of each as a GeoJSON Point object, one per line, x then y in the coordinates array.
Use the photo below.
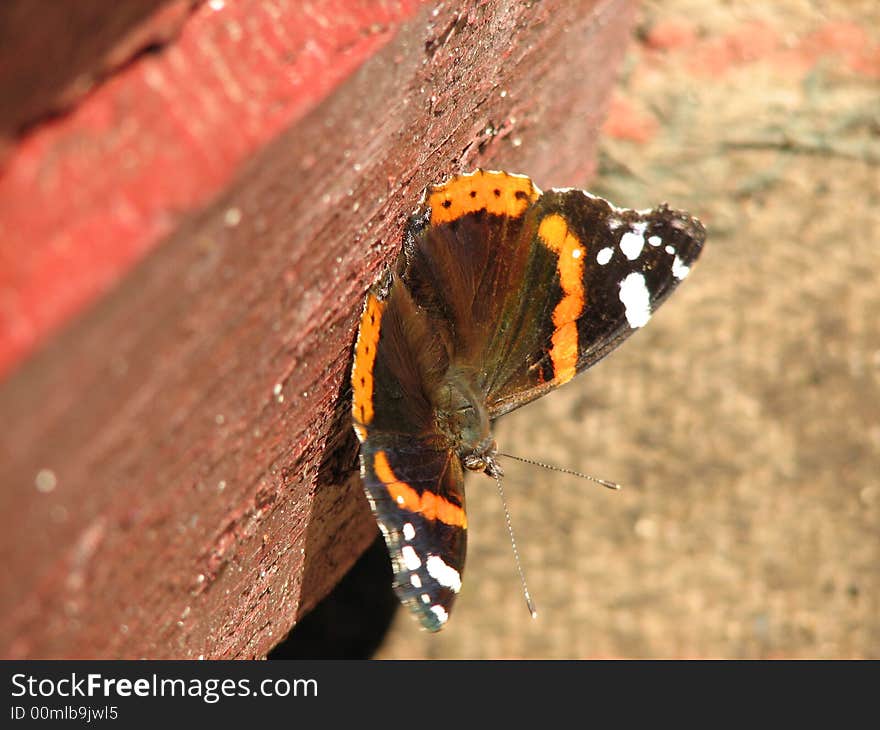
{"type": "Point", "coordinates": [501, 293]}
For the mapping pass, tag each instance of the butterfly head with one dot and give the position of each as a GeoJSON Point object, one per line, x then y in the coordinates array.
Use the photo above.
{"type": "Point", "coordinates": [483, 458]}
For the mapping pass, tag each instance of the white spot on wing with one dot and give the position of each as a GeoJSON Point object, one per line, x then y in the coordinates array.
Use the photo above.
{"type": "Point", "coordinates": [679, 270]}
{"type": "Point", "coordinates": [444, 574]}
{"type": "Point", "coordinates": [632, 242]}
{"type": "Point", "coordinates": [576, 253]}
{"type": "Point", "coordinates": [415, 580]}
{"type": "Point", "coordinates": [410, 559]}
{"type": "Point", "coordinates": [440, 613]}
{"type": "Point", "coordinates": [655, 240]}
{"type": "Point", "coordinates": [637, 300]}
{"type": "Point", "coordinates": [669, 249]}
{"type": "Point", "coordinates": [409, 532]}
{"type": "Point", "coordinates": [425, 598]}
{"type": "Point", "coordinates": [604, 256]}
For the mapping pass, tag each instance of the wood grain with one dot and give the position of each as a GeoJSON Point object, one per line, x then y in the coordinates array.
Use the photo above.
{"type": "Point", "coordinates": [177, 466]}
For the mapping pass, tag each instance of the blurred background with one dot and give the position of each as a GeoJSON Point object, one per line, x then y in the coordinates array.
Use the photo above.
{"type": "Point", "coordinates": [744, 421]}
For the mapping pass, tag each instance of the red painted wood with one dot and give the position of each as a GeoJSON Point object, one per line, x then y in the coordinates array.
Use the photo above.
{"type": "Point", "coordinates": [53, 54]}
{"type": "Point", "coordinates": [85, 195]}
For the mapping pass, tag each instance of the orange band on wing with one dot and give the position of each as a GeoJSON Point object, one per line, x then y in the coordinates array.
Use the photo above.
{"type": "Point", "coordinates": [364, 360]}
{"type": "Point", "coordinates": [555, 235]}
{"type": "Point", "coordinates": [430, 506]}
{"type": "Point", "coordinates": [498, 193]}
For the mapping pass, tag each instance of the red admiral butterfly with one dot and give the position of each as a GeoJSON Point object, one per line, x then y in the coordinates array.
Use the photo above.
{"type": "Point", "coordinates": [501, 294]}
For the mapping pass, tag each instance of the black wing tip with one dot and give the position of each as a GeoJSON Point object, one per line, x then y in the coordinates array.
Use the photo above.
{"type": "Point", "coordinates": [687, 226]}
{"type": "Point", "coordinates": [688, 231]}
{"type": "Point", "coordinates": [681, 220]}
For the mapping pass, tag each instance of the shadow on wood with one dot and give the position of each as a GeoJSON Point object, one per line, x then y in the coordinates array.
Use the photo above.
{"type": "Point", "coordinates": [352, 620]}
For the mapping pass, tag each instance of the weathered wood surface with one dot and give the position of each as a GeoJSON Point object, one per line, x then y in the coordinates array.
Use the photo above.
{"type": "Point", "coordinates": [90, 187]}
{"type": "Point", "coordinates": [177, 467]}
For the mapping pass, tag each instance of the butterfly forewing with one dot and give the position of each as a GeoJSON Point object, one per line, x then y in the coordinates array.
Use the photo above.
{"type": "Point", "coordinates": [595, 275]}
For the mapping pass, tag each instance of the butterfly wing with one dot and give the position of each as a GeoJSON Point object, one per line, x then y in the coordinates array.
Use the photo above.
{"type": "Point", "coordinates": [417, 495]}
{"type": "Point", "coordinates": [536, 287]}
{"type": "Point", "coordinates": [595, 275]}
{"type": "Point", "coordinates": [412, 478]}
{"type": "Point", "coordinates": [465, 255]}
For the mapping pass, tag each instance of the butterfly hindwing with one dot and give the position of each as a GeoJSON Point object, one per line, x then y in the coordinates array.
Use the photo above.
{"type": "Point", "coordinates": [412, 478]}
{"type": "Point", "coordinates": [416, 492]}
{"type": "Point", "coordinates": [461, 261]}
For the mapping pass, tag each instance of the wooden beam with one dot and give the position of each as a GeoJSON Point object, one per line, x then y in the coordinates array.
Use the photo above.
{"type": "Point", "coordinates": [177, 466]}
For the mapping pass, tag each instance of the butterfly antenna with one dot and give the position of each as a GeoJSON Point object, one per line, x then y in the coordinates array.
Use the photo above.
{"type": "Point", "coordinates": [603, 482]}
{"type": "Point", "coordinates": [522, 575]}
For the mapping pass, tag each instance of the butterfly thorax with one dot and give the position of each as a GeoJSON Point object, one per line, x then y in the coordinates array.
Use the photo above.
{"type": "Point", "coordinates": [461, 417]}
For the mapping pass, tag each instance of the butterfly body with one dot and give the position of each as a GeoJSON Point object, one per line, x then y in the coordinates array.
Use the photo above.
{"type": "Point", "coordinates": [501, 294]}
